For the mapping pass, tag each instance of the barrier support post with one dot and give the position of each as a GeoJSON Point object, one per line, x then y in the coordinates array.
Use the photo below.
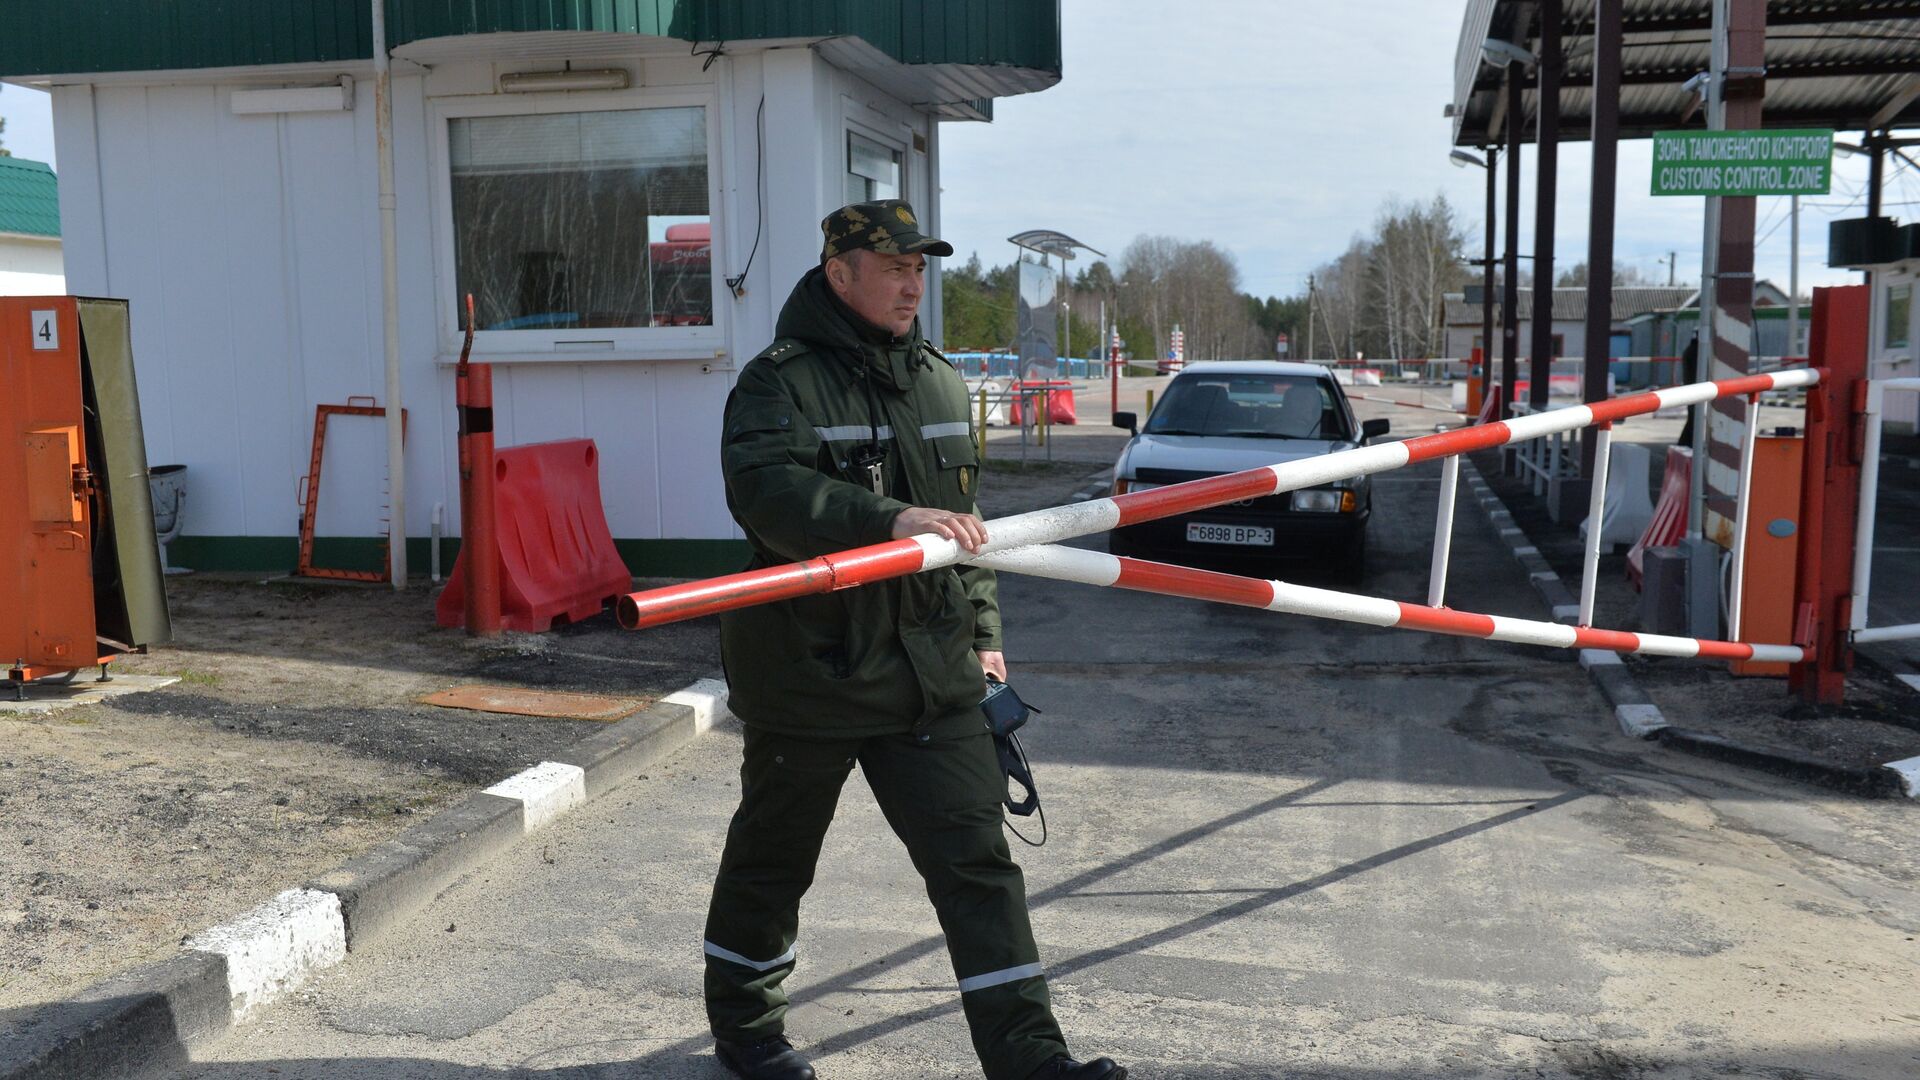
{"type": "Point", "coordinates": [1869, 501]}
{"type": "Point", "coordinates": [1735, 592]}
{"type": "Point", "coordinates": [1830, 489]}
{"type": "Point", "coordinates": [1443, 532]}
{"type": "Point", "coordinates": [1596, 510]}
{"type": "Point", "coordinates": [983, 424]}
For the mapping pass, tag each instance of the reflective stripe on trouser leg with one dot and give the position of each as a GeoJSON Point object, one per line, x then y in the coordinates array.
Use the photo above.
{"type": "Point", "coordinates": [943, 799]}
{"type": "Point", "coordinates": [788, 790]}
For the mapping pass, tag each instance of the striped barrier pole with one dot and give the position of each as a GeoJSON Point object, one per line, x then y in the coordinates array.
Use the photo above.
{"type": "Point", "coordinates": [895, 558]}
{"type": "Point", "coordinates": [1118, 572]}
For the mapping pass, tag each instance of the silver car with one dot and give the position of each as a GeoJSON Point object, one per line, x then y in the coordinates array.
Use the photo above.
{"type": "Point", "coordinates": [1223, 417]}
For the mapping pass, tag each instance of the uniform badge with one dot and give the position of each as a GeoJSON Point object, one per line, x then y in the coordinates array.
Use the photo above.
{"type": "Point", "coordinates": [966, 480]}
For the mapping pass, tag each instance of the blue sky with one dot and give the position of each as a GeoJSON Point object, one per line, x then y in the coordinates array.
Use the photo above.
{"type": "Point", "coordinates": [1274, 128]}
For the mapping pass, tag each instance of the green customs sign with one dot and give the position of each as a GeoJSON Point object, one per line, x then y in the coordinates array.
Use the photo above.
{"type": "Point", "coordinates": [1785, 162]}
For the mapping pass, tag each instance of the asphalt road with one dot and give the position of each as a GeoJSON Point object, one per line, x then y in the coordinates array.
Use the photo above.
{"type": "Point", "coordinates": [1280, 847]}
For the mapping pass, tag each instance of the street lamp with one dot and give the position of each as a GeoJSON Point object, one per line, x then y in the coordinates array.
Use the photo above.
{"type": "Point", "coordinates": [1498, 53]}
{"type": "Point", "coordinates": [1461, 159]}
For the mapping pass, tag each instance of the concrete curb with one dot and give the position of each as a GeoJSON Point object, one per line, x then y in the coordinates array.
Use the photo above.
{"type": "Point", "coordinates": [149, 1016]}
{"type": "Point", "coordinates": [1635, 712]}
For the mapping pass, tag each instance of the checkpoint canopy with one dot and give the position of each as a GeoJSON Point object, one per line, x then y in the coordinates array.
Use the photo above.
{"type": "Point", "coordinates": [1795, 71]}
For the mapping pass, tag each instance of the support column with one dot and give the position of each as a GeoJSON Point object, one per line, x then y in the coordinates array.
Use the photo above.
{"type": "Point", "coordinates": [1510, 287]}
{"type": "Point", "coordinates": [1731, 313]}
{"type": "Point", "coordinates": [1546, 176]}
{"type": "Point", "coordinates": [1607, 40]}
{"type": "Point", "coordinates": [1486, 267]}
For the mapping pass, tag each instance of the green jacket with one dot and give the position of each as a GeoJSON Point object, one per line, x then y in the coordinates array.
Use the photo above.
{"type": "Point", "coordinates": [890, 657]}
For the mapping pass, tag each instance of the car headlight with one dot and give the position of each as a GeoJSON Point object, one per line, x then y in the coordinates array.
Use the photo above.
{"type": "Point", "coordinates": [1324, 501]}
{"type": "Point", "coordinates": [1124, 485]}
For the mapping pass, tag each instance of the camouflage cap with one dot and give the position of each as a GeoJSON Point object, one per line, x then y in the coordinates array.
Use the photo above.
{"type": "Point", "coordinates": [887, 226]}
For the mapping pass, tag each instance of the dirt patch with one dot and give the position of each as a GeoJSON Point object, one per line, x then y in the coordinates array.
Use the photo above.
{"type": "Point", "coordinates": [292, 741]}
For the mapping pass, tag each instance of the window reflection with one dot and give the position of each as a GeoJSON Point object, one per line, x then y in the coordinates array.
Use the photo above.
{"type": "Point", "coordinates": [583, 220]}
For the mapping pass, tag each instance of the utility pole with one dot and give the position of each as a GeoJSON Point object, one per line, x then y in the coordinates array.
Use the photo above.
{"type": "Point", "coordinates": [1671, 256]}
{"type": "Point", "coordinates": [1310, 353]}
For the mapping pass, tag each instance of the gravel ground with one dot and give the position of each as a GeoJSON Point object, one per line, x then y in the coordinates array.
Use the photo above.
{"type": "Point", "coordinates": [292, 741]}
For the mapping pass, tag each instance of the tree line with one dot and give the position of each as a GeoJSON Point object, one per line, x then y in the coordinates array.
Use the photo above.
{"type": "Point", "coordinates": [1382, 297]}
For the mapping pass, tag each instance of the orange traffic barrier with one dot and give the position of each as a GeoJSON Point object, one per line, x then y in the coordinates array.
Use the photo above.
{"type": "Point", "coordinates": [556, 556]}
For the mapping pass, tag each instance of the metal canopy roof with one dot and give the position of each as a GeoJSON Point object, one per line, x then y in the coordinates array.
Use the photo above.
{"type": "Point", "coordinates": [1049, 242]}
{"type": "Point", "coordinates": [1844, 64]}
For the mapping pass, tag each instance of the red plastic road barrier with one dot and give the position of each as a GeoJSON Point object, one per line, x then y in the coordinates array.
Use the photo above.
{"type": "Point", "coordinates": [862, 566]}
{"type": "Point", "coordinates": [1669, 522]}
{"type": "Point", "coordinates": [1111, 571]}
{"type": "Point", "coordinates": [557, 559]}
{"type": "Point", "coordinates": [1055, 396]}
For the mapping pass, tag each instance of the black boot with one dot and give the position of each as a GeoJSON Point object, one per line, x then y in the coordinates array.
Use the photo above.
{"type": "Point", "coordinates": [1065, 1068]}
{"type": "Point", "coordinates": [772, 1058]}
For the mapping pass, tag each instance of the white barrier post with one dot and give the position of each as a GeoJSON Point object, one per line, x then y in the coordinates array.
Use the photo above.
{"type": "Point", "coordinates": [1443, 531]}
{"type": "Point", "coordinates": [1869, 491]}
{"type": "Point", "coordinates": [1740, 516]}
{"type": "Point", "coordinates": [1596, 508]}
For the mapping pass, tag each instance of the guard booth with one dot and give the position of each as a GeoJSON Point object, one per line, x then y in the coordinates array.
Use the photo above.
{"type": "Point", "coordinates": [80, 578]}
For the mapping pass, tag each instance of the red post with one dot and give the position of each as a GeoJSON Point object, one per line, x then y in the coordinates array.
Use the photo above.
{"type": "Point", "coordinates": [473, 392]}
{"type": "Point", "coordinates": [1830, 493]}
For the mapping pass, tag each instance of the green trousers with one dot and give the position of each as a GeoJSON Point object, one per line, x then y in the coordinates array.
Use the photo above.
{"type": "Point", "coordinates": [942, 797]}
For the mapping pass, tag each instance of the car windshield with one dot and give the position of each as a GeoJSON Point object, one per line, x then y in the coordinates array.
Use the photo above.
{"type": "Point", "coordinates": [1250, 406]}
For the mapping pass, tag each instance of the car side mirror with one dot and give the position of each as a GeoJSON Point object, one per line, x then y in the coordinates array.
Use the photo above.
{"type": "Point", "coordinates": [1373, 429]}
{"type": "Point", "coordinates": [1130, 421]}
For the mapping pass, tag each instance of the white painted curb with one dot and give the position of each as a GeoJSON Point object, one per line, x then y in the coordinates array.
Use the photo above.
{"type": "Point", "coordinates": [1593, 658]}
{"type": "Point", "coordinates": [1639, 721]}
{"type": "Point", "coordinates": [1909, 770]}
{"type": "Point", "coordinates": [545, 791]}
{"type": "Point", "coordinates": [273, 948]}
{"type": "Point", "coordinates": [708, 700]}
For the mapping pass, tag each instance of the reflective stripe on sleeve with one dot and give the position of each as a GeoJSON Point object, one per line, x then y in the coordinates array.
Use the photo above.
{"type": "Point", "coordinates": [732, 957]}
{"type": "Point", "coordinates": [934, 431]}
{"type": "Point", "coordinates": [847, 432]}
{"type": "Point", "coordinates": [996, 978]}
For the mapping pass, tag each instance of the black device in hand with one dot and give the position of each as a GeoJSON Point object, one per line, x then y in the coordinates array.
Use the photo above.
{"type": "Point", "coordinates": [1006, 714]}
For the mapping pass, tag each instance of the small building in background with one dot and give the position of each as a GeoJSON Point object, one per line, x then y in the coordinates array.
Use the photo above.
{"type": "Point", "coordinates": [1464, 317]}
{"type": "Point", "coordinates": [30, 259]}
{"type": "Point", "coordinates": [628, 190]}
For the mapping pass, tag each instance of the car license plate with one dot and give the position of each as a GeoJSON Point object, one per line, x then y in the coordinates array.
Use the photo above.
{"type": "Point", "coordinates": [1200, 532]}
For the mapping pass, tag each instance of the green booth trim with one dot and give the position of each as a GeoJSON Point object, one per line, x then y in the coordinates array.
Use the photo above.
{"type": "Point", "coordinates": [70, 37]}
{"type": "Point", "coordinates": [278, 554]}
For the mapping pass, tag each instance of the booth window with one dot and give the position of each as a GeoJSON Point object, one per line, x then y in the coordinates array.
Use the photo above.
{"type": "Point", "coordinates": [583, 220]}
{"type": "Point", "coordinates": [873, 169]}
{"type": "Point", "coordinates": [1899, 331]}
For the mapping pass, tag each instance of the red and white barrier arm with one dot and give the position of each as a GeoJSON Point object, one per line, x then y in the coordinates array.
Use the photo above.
{"type": "Point", "coordinates": [1408, 404]}
{"type": "Point", "coordinates": [896, 558]}
{"type": "Point", "coordinates": [1139, 575]}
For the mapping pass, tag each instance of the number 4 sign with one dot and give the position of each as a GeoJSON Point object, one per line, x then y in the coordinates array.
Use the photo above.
{"type": "Point", "coordinates": [46, 330]}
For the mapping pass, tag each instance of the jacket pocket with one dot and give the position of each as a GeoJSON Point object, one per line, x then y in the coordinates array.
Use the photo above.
{"type": "Point", "coordinates": [958, 465]}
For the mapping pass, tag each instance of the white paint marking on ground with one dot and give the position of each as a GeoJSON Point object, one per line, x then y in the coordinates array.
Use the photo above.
{"type": "Point", "coordinates": [1593, 658]}
{"type": "Point", "coordinates": [1909, 770]}
{"type": "Point", "coordinates": [545, 791]}
{"type": "Point", "coordinates": [1639, 721]}
{"type": "Point", "coordinates": [708, 700]}
{"type": "Point", "coordinates": [1911, 680]}
{"type": "Point", "coordinates": [271, 949]}
{"type": "Point", "coordinates": [1526, 549]}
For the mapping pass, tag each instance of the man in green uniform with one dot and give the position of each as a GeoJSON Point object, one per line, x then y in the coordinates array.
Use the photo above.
{"type": "Point", "coordinates": [851, 430]}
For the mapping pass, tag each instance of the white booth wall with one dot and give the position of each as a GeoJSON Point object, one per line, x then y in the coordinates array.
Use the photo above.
{"type": "Point", "coordinates": [248, 246]}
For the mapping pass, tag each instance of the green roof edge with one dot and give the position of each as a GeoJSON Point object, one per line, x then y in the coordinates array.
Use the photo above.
{"type": "Point", "coordinates": [65, 37]}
